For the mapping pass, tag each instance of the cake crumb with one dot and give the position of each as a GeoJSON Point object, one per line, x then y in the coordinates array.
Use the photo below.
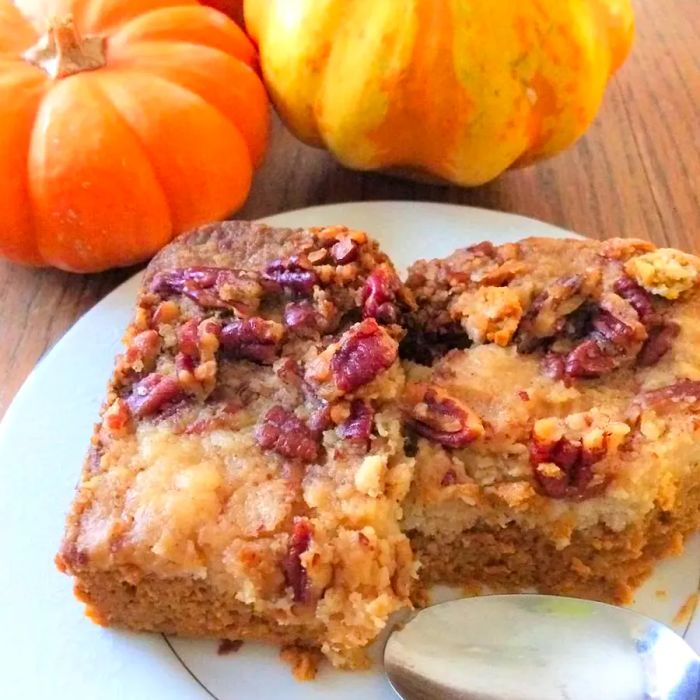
{"type": "Point", "coordinates": [229, 646]}
{"type": "Point", "coordinates": [303, 661]}
{"type": "Point", "coordinates": [686, 610]}
{"type": "Point", "coordinates": [661, 594]}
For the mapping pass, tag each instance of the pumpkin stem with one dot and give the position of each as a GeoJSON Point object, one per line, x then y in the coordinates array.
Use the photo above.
{"type": "Point", "coordinates": [62, 51]}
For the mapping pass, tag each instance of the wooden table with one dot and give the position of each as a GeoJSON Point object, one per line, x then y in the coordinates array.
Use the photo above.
{"type": "Point", "coordinates": [636, 173]}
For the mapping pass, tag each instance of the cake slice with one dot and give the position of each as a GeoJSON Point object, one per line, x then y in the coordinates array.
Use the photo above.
{"type": "Point", "coordinates": [245, 478]}
{"type": "Point", "coordinates": [553, 393]}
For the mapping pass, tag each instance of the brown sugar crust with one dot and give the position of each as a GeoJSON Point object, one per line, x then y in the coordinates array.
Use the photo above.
{"type": "Point", "coordinates": [266, 467]}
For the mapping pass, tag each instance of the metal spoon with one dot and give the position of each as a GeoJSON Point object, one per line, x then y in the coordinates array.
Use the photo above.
{"type": "Point", "coordinates": [538, 647]}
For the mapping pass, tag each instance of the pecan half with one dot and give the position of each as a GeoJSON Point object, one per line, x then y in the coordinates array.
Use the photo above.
{"type": "Point", "coordinates": [212, 287]}
{"type": "Point", "coordinates": [254, 339]}
{"type": "Point", "coordinates": [152, 394]}
{"type": "Point", "coordinates": [435, 415]}
{"type": "Point", "coordinates": [364, 352]}
{"type": "Point", "coordinates": [282, 432]}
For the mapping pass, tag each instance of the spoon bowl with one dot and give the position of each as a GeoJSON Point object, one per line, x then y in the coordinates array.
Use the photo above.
{"type": "Point", "coordinates": [538, 647]}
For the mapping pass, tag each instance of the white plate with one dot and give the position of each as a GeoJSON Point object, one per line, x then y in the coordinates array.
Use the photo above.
{"type": "Point", "coordinates": [47, 648]}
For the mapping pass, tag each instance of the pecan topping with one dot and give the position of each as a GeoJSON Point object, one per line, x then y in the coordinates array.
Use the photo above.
{"type": "Point", "coordinates": [378, 295]}
{"type": "Point", "coordinates": [188, 337]}
{"type": "Point", "coordinates": [301, 318]}
{"type": "Point", "coordinates": [638, 297]}
{"type": "Point", "coordinates": [364, 351]}
{"type": "Point", "coordinates": [284, 433]}
{"type": "Point", "coordinates": [435, 415]}
{"type": "Point", "coordinates": [152, 393]}
{"type": "Point", "coordinates": [294, 572]}
{"type": "Point", "coordinates": [683, 394]}
{"type": "Point", "coordinates": [252, 339]}
{"type": "Point", "coordinates": [564, 469]}
{"type": "Point", "coordinates": [212, 287]}
{"type": "Point", "coordinates": [358, 426]}
{"type": "Point", "coordinates": [345, 251]}
{"type": "Point", "coordinates": [658, 343]}
{"type": "Point", "coordinates": [295, 275]}
{"type": "Point", "coordinates": [588, 360]}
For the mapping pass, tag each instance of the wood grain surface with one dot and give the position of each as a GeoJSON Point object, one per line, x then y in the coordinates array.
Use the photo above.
{"type": "Point", "coordinates": [636, 173]}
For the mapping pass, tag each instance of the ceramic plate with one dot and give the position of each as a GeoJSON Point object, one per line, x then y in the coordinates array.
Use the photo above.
{"type": "Point", "coordinates": [48, 649]}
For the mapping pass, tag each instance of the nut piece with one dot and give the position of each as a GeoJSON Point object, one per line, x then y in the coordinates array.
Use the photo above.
{"type": "Point", "coordinates": [665, 271]}
{"type": "Point", "coordinates": [254, 339]}
{"type": "Point", "coordinates": [212, 287]}
{"type": "Point", "coordinates": [294, 572]}
{"type": "Point", "coordinates": [152, 393]}
{"type": "Point", "coordinates": [378, 295]}
{"type": "Point", "coordinates": [296, 275]}
{"type": "Point", "coordinates": [357, 427]}
{"type": "Point", "coordinates": [284, 433]}
{"type": "Point", "coordinates": [363, 352]}
{"type": "Point", "coordinates": [435, 415]}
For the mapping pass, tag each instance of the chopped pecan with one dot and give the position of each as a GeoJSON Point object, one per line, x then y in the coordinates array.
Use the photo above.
{"type": "Point", "coordinates": [548, 311]}
{"type": "Point", "coordinates": [152, 394]}
{"type": "Point", "coordinates": [636, 296]}
{"type": "Point", "coordinates": [588, 360]}
{"type": "Point", "coordinates": [435, 415]}
{"type": "Point", "coordinates": [358, 426]}
{"type": "Point", "coordinates": [564, 468]}
{"type": "Point", "coordinates": [345, 251]}
{"type": "Point", "coordinates": [294, 571]}
{"type": "Point", "coordinates": [320, 419]}
{"type": "Point", "coordinates": [254, 339]}
{"type": "Point", "coordinates": [301, 318]}
{"type": "Point", "coordinates": [364, 351]}
{"type": "Point", "coordinates": [658, 343]}
{"type": "Point", "coordinates": [284, 433]}
{"type": "Point", "coordinates": [212, 287]}
{"type": "Point", "coordinates": [188, 337]}
{"type": "Point", "coordinates": [295, 275]}
{"type": "Point", "coordinates": [683, 394]}
{"type": "Point", "coordinates": [379, 293]}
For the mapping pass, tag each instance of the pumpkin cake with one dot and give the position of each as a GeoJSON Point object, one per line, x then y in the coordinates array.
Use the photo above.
{"type": "Point", "coordinates": [266, 467]}
{"type": "Point", "coordinates": [554, 396]}
{"type": "Point", "coordinates": [245, 478]}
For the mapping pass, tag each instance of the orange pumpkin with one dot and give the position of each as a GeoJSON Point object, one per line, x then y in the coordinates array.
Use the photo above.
{"type": "Point", "coordinates": [122, 123]}
{"type": "Point", "coordinates": [455, 89]}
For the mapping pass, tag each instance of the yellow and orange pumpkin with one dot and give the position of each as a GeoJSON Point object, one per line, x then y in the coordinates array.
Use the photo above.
{"type": "Point", "coordinates": [457, 89]}
{"type": "Point", "coordinates": [122, 123]}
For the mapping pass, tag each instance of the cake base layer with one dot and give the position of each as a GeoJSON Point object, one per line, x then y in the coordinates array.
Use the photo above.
{"type": "Point", "coordinates": [599, 563]}
{"type": "Point", "coordinates": [184, 607]}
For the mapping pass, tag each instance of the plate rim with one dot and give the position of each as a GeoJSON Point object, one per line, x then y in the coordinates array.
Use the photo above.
{"type": "Point", "coordinates": [277, 219]}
